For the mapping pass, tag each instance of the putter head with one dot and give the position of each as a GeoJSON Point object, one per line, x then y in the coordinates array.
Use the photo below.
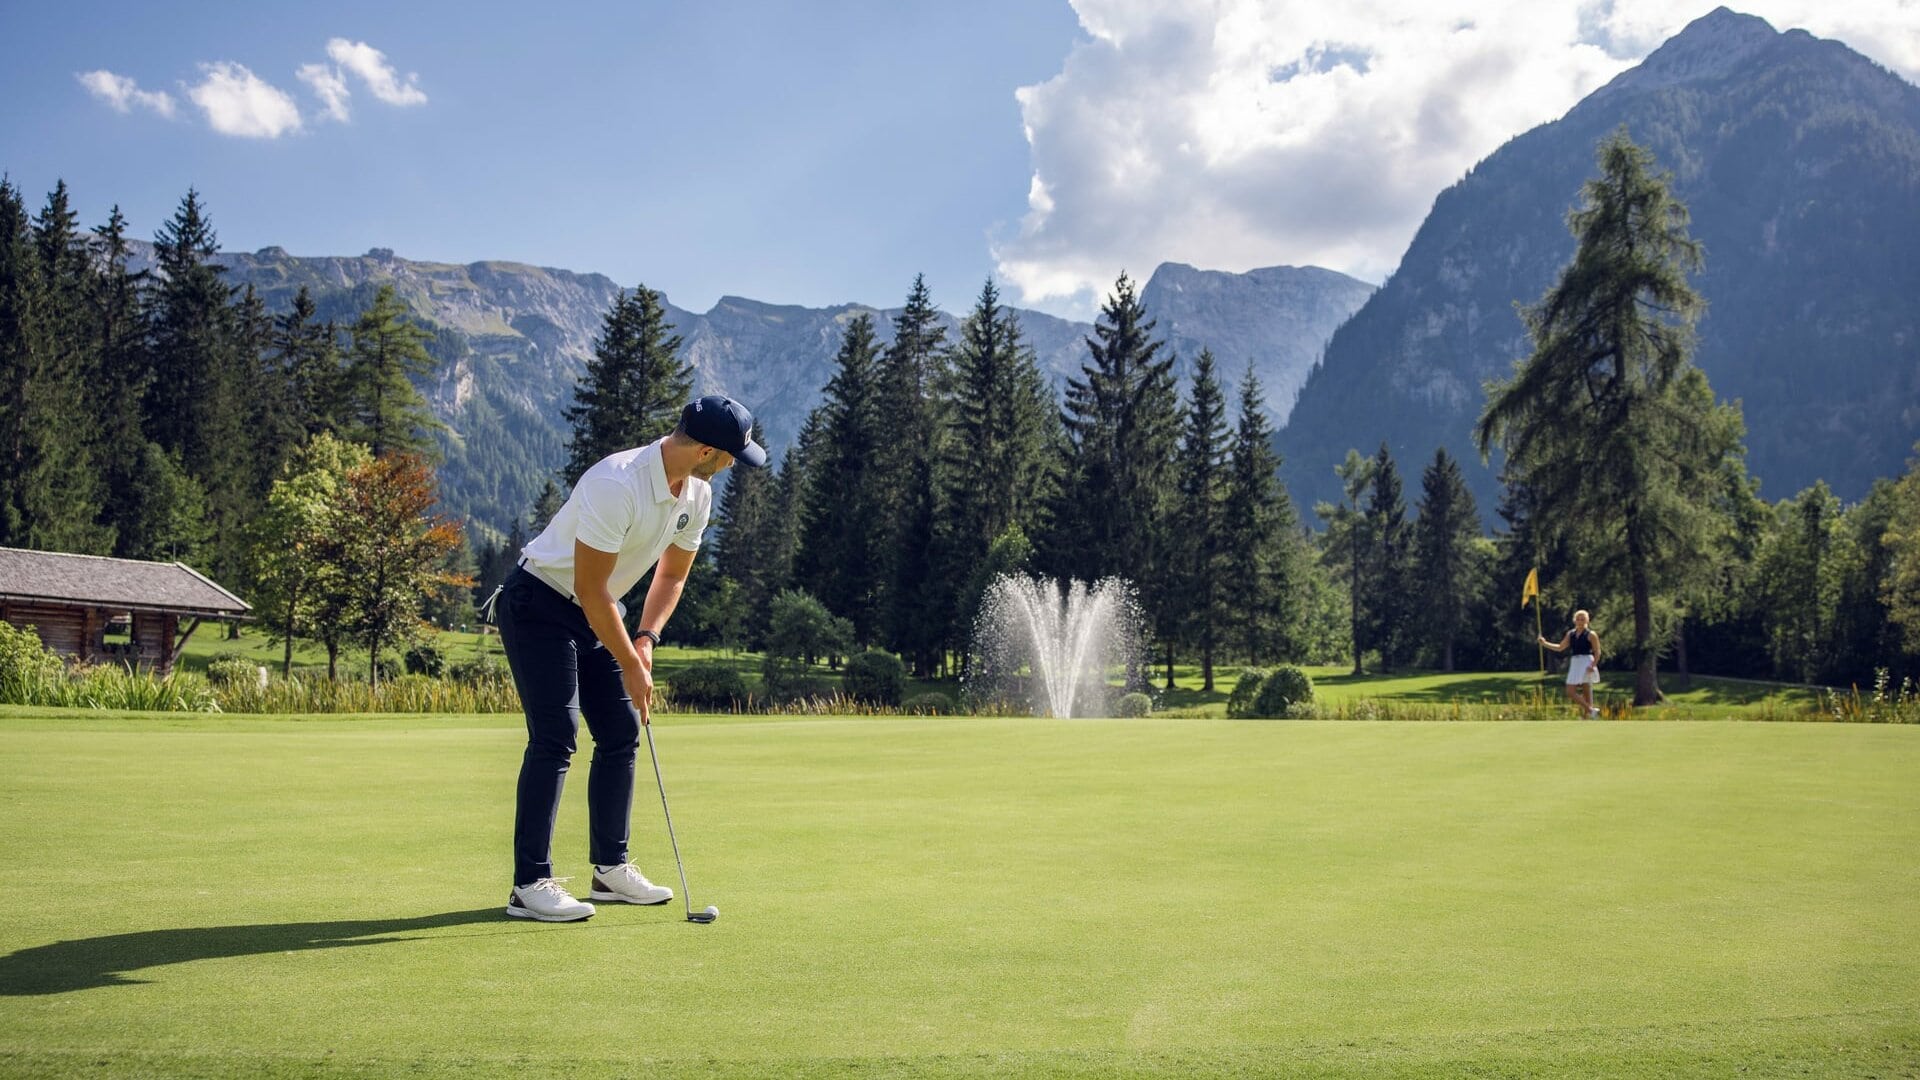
{"type": "Point", "coordinates": [711, 913]}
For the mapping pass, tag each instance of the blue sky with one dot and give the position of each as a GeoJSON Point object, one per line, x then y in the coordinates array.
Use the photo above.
{"type": "Point", "coordinates": [823, 152]}
{"type": "Point", "coordinates": [799, 153]}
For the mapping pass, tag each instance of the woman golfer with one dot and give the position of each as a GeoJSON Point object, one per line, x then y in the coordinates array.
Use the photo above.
{"type": "Point", "coordinates": [1583, 667]}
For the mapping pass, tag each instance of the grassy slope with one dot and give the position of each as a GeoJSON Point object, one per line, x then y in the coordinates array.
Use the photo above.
{"type": "Point", "coordinates": [242, 896]}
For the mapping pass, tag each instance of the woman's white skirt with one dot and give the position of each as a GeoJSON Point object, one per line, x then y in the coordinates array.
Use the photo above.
{"type": "Point", "coordinates": [1580, 669]}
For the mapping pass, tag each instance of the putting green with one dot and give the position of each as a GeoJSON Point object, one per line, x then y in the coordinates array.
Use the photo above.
{"type": "Point", "coordinates": [243, 896]}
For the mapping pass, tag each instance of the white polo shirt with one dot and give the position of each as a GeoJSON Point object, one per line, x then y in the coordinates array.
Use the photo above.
{"type": "Point", "coordinates": [623, 506]}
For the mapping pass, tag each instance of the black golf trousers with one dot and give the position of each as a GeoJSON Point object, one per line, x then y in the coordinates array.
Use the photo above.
{"type": "Point", "coordinates": [562, 671]}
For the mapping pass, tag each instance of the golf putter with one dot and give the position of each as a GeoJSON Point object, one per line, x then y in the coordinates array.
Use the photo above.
{"type": "Point", "coordinates": [711, 913]}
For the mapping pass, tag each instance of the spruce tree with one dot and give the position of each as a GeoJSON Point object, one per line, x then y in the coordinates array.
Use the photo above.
{"type": "Point", "coordinates": [634, 386]}
{"type": "Point", "coordinates": [199, 400]}
{"type": "Point", "coordinates": [545, 506]}
{"type": "Point", "coordinates": [997, 453]}
{"type": "Point", "coordinates": [1349, 541]}
{"type": "Point", "coordinates": [306, 355]}
{"type": "Point", "coordinates": [1201, 576]}
{"type": "Point", "coordinates": [1608, 421]}
{"type": "Point", "coordinates": [1387, 603]}
{"type": "Point", "coordinates": [1122, 423]}
{"type": "Point", "coordinates": [1443, 544]}
{"type": "Point", "coordinates": [21, 297]}
{"type": "Point", "coordinates": [744, 543]}
{"type": "Point", "coordinates": [910, 428]}
{"type": "Point", "coordinates": [380, 405]}
{"type": "Point", "coordinates": [837, 560]}
{"type": "Point", "coordinates": [1258, 532]}
{"type": "Point", "coordinates": [117, 336]}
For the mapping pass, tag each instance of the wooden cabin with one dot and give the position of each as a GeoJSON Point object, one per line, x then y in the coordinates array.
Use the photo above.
{"type": "Point", "coordinates": [99, 609]}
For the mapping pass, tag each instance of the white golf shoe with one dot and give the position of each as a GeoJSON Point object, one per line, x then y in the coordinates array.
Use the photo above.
{"type": "Point", "coordinates": [627, 885]}
{"type": "Point", "coordinates": [547, 901]}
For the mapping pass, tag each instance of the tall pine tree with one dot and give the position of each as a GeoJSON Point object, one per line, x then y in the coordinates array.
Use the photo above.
{"type": "Point", "coordinates": [634, 386]}
{"type": "Point", "coordinates": [1443, 543]}
{"type": "Point", "coordinates": [837, 560]}
{"type": "Point", "coordinates": [910, 429]}
{"type": "Point", "coordinates": [379, 403]}
{"type": "Point", "coordinates": [1386, 602]}
{"type": "Point", "coordinates": [1608, 421]}
{"type": "Point", "coordinates": [1201, 576]}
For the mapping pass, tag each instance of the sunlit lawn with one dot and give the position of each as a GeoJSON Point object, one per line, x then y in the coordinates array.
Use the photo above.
{"type": "Point", "coordinates": [267, 896]}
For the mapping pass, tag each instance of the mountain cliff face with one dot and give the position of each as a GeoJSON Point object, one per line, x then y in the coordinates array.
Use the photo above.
{"type": "Point", "coordinates": [513, 339]}
{"type": "Point", "coordinates": [1800, 162]}
{"type": "Point", "coordinates": [1277, 319]}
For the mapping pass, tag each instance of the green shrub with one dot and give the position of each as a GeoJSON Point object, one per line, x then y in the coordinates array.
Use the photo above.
{"type": "Point", "coordinates": [875, 677]}
{"type": "Point", "coordinates": [24, 662]}
{"type": "Point", "coordinates": [707, 684]}
{"type": "Point", "coordinates": [227, 672]}
{"type": "Point", "coordinates": [1280, 691]}
{"type": "Point", "coordinates": [931, 703]}
{"type": "Point", "coordinates": [390, 669]}
{"type": "Point", "coordinates": [1133, 705]}
{"type": "Point", "coordinates": [425, 658]}
{"type": "Point", "coordinates": [1240, 702]}
{"type": "Point", "coordinates": [483, 669]}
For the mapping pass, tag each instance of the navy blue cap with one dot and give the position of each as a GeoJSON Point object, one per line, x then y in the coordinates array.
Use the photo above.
{"type": "Point", "coordinates": [724, 424]}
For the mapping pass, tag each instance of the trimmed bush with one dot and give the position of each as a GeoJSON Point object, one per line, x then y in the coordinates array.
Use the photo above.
{"type": "Point", "coordinates": [931, 703]}
{"type": "Point", "coordinates": [875, 677]}
{"type": "Point", "coordinates": [228, 672]}
{"type": "Point", "coordinates": [1280, 691]}
{"type": "Point", "coordinates": [425, 658]}
{"type": "Point", "coordinates": [1133, 705]}
{"type": "Point", "coordinates": [1240, 702]}
{"type": "Point", "coordinates": [707, 685]}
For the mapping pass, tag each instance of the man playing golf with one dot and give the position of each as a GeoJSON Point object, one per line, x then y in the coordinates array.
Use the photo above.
{"type": "Point", "coordinates": [567, 645]}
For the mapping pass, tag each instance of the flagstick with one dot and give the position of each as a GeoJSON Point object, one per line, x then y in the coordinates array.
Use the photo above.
{"type": "Point", "coordinates": [1538, 625]}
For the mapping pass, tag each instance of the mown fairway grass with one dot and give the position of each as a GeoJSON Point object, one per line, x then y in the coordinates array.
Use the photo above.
{"type": "Point", "coordinates": [240, 897]}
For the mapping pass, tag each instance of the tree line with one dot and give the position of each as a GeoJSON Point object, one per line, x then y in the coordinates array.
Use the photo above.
{"type": "Point", "coordinates": [165, 414]}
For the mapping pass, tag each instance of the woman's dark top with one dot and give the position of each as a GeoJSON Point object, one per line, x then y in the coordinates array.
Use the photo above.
{"type": "Point", "coordinates": [1582, 643]}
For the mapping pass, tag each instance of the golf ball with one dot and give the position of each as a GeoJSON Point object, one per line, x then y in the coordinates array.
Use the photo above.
{"type": "Point", "coordinates": [712, 910]}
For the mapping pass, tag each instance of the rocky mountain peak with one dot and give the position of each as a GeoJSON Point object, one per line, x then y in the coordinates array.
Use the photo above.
{"type": "Point", "coordinates": [1708, 48]}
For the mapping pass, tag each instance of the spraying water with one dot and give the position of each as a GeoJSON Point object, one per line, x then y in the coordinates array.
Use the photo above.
{"type": "Point", "coordinates": [1065, 637]}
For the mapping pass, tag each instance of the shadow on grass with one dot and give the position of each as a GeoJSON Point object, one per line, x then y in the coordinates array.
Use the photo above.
{"type": "Point", "coordinates": [1498, 687]}
{"type": "Point", "coordinates": [66, 966]}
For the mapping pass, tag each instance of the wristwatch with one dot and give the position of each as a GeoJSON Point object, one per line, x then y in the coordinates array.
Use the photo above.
{"type": "Point", "coordinates": [651, 635]}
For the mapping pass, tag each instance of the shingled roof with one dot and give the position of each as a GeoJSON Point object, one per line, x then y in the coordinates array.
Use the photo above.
{"type": "Point", "coordinates": [124, 584]}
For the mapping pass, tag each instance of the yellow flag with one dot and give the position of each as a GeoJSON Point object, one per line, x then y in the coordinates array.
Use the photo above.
{"type": "Point", "coordinates": [1532, 588]}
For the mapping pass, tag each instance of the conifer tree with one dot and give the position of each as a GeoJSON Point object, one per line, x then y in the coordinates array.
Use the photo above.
{"type": "Point", "coordinates": [744, 544]}
{"type": "Point", "coordinates": [306, 364]}
{"type": "Point", "coordinates": [1201, 576]}
{"type": "Point", "coordinates": [1386, 604]}
{"type": "Point", "coordinates": [380, 405]}
{"type": "Point", "coordinates": [634, 386]}
{"type": "Point", "coordinates": [1259, 535]}
{"type": "Point", "coordinates": [117, 336]}
{"type": "Point", "coordinates": [20, 303]}
{"type": "Point", "coordinates": [545, 506]}
{"type": "Point", "coordinates": [1348, 541]}
{"type": "Point", "coordinates": [836, 559]}
{"type": "Point", "coordinates": [1443, 543]}
{"type": "Point", "coordinates": [199, 398]}
{"type": "Point", "coordinates": [997, 452]}
{"type": "Point", "coordinates": [1122, 423]}
{"type": "Point", "coordinates": [1608, 421]}
{"type": "Point", "coordinates": [910, 428]}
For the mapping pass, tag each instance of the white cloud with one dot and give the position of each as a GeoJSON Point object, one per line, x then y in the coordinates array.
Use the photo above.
{"type": "Point", "coordinates": [1239, 133]}
{"type": "Point", "coordinates": [330, 87]}
{"type": "Point", "coordinates": [370, 64]}
{"type": "Point", "coordinates": [238, 102]}
{"type": "Point", "coordinates": [123, 93]}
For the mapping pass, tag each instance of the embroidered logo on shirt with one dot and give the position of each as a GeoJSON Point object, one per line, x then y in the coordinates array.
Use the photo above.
{"type": "Point", "coordinates": [682, 525]}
